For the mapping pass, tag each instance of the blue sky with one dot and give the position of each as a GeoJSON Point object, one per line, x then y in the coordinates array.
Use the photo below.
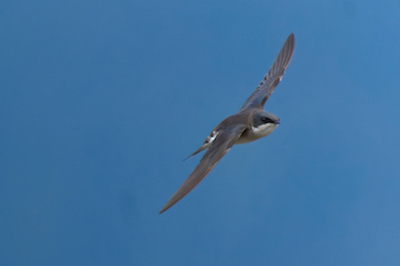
{"type": "Point", "coordinates": [101, 100]}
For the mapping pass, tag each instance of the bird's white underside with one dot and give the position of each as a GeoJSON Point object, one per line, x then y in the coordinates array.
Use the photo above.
{"type": "Point", "coordinates": [256, 133]}
{"type": "Point", "coordinates": [263, 130]}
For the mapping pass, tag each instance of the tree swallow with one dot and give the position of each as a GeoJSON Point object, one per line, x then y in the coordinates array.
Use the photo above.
{"type": "Point", "coordinates": [249, 124]}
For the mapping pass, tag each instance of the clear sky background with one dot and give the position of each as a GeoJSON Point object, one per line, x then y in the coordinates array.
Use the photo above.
{"type": "Point", "coordinates": [101, 100]}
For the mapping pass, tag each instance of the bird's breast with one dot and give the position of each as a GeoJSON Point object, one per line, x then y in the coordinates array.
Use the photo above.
{"type": "Point", "coordinates": [253, 133]}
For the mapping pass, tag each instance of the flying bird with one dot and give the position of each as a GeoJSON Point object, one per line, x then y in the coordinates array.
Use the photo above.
{"type": "Point", "coordinates": [249, 124]}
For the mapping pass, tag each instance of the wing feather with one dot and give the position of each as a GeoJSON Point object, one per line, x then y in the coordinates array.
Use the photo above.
{"type": "Point", "coordinates": [273, 77]}
{"type": "Point", "coordinates": [215, 152]}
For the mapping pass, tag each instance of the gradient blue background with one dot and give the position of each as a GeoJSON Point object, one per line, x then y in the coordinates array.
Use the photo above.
{"type": "Point", "coordinates": [101, 100]}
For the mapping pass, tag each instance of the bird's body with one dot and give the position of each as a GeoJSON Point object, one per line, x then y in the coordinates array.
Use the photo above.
{"type": "Point", "coordinates": [249, 124]}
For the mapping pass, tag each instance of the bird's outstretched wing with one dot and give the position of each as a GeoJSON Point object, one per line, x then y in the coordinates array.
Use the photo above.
{"type": "Point", "coordinates": [273, 77]}
{"type": "Point", "coordinates": [221, 145]}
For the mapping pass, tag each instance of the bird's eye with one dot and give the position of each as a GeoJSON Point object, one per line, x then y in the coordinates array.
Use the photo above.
{"type": "Point", "coordinates": [266, 119]}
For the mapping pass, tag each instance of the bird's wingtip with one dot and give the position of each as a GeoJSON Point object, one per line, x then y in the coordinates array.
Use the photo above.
{"type": "Point", "coordinates": [166, 207]}
{"type": "Point", "coordinates": [291, 36]}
